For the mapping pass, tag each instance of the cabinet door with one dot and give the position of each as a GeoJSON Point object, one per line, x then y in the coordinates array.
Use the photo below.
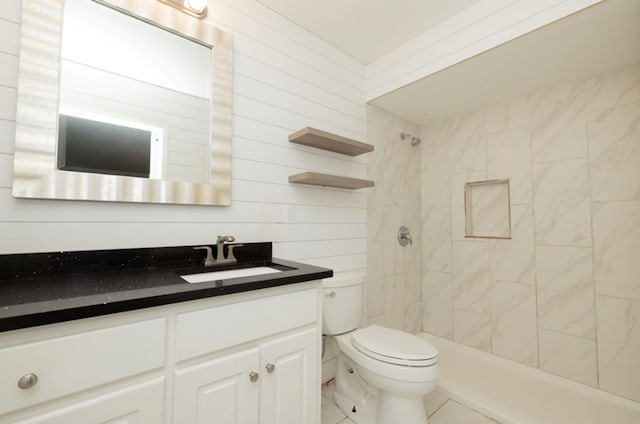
{"type": "Point", "coordinates": [218, 391]}
{"type": "Point", "coordinates": [291, 383]}
{"type": "Point", "coordinates": [138, 404]}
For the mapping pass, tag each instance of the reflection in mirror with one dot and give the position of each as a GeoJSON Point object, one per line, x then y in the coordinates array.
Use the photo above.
{"type": "Point", "coordinates": [139, 114]}
{"type": "Point", "coordinates": [152, 86]}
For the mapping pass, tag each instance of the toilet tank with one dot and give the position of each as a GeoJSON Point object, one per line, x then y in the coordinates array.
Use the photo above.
{"type": "Point", "coordinates": [342, 303]}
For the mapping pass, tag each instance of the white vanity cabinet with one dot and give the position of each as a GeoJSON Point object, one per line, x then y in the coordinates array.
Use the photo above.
{"type": "Point", "coordinates": [265, 369]}
{"type": "Point", "coordinates": [107, 371]}
{"type": "Point", "coordinates": [244, 358]}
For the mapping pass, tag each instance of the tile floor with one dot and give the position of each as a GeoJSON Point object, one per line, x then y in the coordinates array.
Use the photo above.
{"type": "Point", "coordinates": [440, 410]}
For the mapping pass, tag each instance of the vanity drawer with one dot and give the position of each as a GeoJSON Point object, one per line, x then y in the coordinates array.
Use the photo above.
{"type": "Point", "coordinates": [213, 329]}
{"type": "Point", "coordinates": [69, 364]}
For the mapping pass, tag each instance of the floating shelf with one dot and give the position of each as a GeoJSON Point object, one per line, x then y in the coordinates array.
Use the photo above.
{"type": "Point", "coordinates": [326, 180]}
{"type": "Point", "coordinates": [327, 141]}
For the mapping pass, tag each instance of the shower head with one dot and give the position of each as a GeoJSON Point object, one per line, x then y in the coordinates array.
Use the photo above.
{"type": "Point", "coordinates": [414, 140]}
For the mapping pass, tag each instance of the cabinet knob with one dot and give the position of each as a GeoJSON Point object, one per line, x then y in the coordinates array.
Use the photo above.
{"type": "Point", "coordinates": [253, 376]}
{"type": "Point", "coordinates": [270, 368]}
{"type": "Point", "coordinates": [27, 381]}
{"type": "Point", "coordinates": [330, 294]}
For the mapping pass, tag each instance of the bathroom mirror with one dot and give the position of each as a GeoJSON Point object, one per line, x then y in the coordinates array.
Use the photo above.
{"type": "Point", "coordinates": [170, 112]}
{"type": "Point", "coordinates": [487, 209]}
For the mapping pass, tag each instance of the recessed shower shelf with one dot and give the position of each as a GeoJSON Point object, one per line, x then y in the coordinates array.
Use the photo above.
{"type": "Point", "coordinates": [331, 142]}
{"type": "Point", "coordinates": [326, 180]}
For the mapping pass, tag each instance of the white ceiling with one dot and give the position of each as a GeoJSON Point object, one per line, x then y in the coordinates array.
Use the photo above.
{"type": "Point", "coordinates": [591, 42]}
{"type": "Point", "coordinates": [367, 29]}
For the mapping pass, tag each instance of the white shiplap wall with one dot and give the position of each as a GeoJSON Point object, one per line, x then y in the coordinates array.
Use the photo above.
{"type": "Point", "coordinates": [284, 79]}
{"type": "Point", "coordinates": [481, 27]}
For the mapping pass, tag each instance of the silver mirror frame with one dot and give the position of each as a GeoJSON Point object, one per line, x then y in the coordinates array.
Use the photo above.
{"type": "Point", "coordinates": [34, 170]}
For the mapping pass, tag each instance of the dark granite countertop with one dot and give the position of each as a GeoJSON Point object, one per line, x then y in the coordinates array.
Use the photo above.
{"type": "Point", "coordinates": [45, 288]}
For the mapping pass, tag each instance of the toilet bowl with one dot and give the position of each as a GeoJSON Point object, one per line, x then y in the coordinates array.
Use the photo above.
{"type": "Point", "coordinates": [382, 374]}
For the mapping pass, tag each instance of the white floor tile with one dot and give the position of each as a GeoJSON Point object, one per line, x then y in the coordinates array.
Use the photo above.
{"type": "Point", "coordinates": [453, 412]}
{"type": "Point", "coordinates": [330, 413]}
{"type": "Point", "coordinates": [433, 401]}
{"type": "Point", "coordinates": [439, 408]}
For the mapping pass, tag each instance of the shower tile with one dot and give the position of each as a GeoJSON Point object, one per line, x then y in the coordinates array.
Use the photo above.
{"type": "Point", "coordinates": [513, 322]}
{"type": "Point", "coordinates": [393, 254]}
{"type": "Point", "coordinates": [472, 329]}
{"type": "Point", "coordinates": [565, 290]}
{"type": "Point", "coordinates": [568, 356]}
{"type": "Point", "coordinates": [457, 201]}
{"type": "Point", "coordinates": [509, 156]}
{"type": "Point", "coordinates": [376, 320]}
{"type": "Point", "coordinates": [411, 208]}
{"type": "Point", "coordinates": [468, 143]}
{"type": "Point", "coordinates": [435, 167]}
{"type": "Point", "coordinates": [619, 346]}
{"type": "Point", "coordinates": [471, 285]}
{"type": "Point", "coordinates": [614, 89]}
{"type": "Point", "coordinates": [393, 175]}
{"type": "Point", "coordinates": [513, 113]}
{"type": "Point", "coordinates": [413, 317]}
{"type": "Point", "coordinates": [412, 272]}
{"type": "Point", "coordinates": [437, 295]}
{"type": "Point", "coordinates": [614, 149]}
{"type": "Point", "coordinates": [514, 260]}
{"type": "Point", "coordinates": [436, 240]}
{"type": "Point", "coordinates": [394, 301]}
{"type": "Point", "coordinates": [436, 223]}
{"type": "Point", "coordinates": [375, 213]}
{"type": "Point", "coordinates": [562, 203]}
{"type": "Point", "coordinates": [616, 243]}
{"type": "Point", "coordinates": [436, 254]}
{"type": "Point", "coordinates": [375, 278]}
{"type": "Point", "coordinates": [558, 128]}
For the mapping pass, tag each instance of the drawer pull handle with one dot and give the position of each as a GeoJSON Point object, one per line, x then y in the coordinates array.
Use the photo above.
{"type": "Point", "coordinates": [270, 368]}
{"type": "Point", "coordinates": [253, 376]}
{"type": "Point", "coordinates": [27, 381]}
{"type": "Point", "coordinates": [330, 294]}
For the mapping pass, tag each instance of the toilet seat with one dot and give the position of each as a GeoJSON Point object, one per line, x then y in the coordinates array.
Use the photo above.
{"type": "Point", "coordinates": [394, 347]}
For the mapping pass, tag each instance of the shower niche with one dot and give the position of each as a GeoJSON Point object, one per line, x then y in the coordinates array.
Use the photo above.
{"type": "Point", "coordinates": [334, 143]}
{"type": "Point", "coordinates": [487, 209]}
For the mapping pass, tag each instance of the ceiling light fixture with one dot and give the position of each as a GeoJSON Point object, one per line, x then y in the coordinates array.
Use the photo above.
{"type": "Point", "coordinates": [197, 8]}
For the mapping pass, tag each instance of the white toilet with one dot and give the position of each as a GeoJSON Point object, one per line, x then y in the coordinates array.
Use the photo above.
{"type": "Point", "coordinates": [382, 374]}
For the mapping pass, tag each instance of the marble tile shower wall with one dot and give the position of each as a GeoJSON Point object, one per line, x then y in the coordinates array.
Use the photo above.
{"type": "Point", "coordinates": [393, 290]}
{"type": "Point", "coordinates": [563, 294]}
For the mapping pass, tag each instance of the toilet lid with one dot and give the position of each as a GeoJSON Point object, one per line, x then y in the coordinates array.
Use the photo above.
{"type": "Point", "coordinates": [395, 347]}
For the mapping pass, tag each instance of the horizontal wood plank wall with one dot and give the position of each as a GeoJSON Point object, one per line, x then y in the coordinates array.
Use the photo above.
{"type": "Point", "coordinates": [481, 27]}
{"type": "Point", "coordinates": [285, 79]}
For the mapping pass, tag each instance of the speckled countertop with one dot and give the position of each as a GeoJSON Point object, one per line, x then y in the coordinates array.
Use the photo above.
{"type": "Point", "coordinates": [44, 288]}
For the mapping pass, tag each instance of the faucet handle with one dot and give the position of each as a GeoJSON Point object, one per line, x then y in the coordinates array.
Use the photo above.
{"type": "Point", "coordinates": [208, 261]}
{"type": "Point", "coordinates": [230, 256]}
{"type": "Point", "coordinates": [228, 238]}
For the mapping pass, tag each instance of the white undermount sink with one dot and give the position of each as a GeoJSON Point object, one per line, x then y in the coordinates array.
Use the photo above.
{"type": "Point", "coordinates": [204, 277]}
